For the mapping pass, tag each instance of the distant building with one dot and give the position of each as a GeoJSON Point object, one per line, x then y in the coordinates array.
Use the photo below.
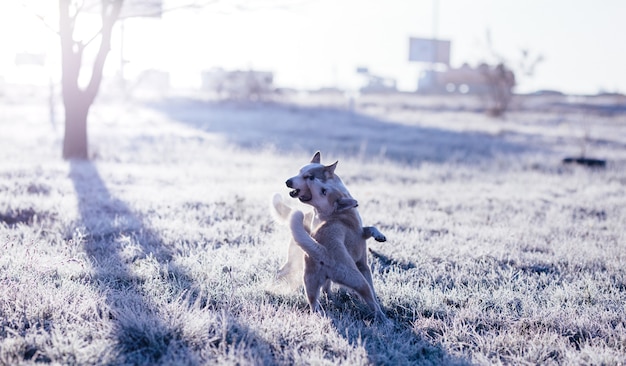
{"type": "Point", "coordinates": [467, 80]}
{"type": "Point", "coordinates": [238, 84]}
{"type": "Point", "coordinates": [376, 83]}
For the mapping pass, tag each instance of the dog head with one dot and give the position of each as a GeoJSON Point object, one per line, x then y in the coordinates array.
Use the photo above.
{"type": "Point", "coordinates": [327, 199]}
{"type": "Point", "coordinates": [315, 170]}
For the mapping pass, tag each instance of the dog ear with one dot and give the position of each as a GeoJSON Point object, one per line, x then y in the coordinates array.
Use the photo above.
{"type": "Point", "coordinates": [330, 169]}
{"type": "Point", "coordinates": [317, 158]}
{"type": "Point", "coordinates": [345, 204]}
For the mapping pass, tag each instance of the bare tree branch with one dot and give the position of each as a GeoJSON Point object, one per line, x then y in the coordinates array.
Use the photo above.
{"type": "Point", "coordinates": [94, 37]}
{"type": "Point", "coordinates": [110, 14]}
{"type": "Point", "coordinates": [40, 17]}
{"type": "Point", "coordinates": [71, 52]}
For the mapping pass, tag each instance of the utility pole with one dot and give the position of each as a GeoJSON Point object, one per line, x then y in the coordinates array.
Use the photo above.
{"type": "Point", "coordinates": [435, 25]}
{"type": "Point", "coordinates": [122, 60]}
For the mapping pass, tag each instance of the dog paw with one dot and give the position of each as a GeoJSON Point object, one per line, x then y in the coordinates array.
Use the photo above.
{"type": "Point", "coordinates": [373, 232]}
{"type": "Point", "coordinates": [380, 237]}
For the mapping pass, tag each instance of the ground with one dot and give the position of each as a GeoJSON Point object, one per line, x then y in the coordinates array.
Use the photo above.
{"type": "Point", "coordinates": [161, 248]}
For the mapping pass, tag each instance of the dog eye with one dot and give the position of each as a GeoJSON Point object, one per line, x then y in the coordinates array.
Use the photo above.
{"type": "Point", "coordinates": [323, 191]}
{"type": "Point", "coordinates": [311, 177]}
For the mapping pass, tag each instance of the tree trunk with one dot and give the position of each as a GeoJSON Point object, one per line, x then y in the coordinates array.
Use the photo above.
{"type": "Point", "coordinates": [77, 101]}
{"type": "Point", "coordinates": [75, 137]}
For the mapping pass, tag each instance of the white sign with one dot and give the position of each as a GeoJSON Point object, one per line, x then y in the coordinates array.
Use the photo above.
{"type": "Point", "coordinates": [429, 50]}
{"type": "Point", "coordinates": [142, 8]}
{"type": "Point", "coordinates": [130, 8]}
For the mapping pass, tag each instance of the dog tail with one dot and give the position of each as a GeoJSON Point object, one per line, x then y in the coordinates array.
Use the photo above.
{"type": "Point", "coordinates": [279, 209]}
{"type": "Point", "coordinates": [302, 237]}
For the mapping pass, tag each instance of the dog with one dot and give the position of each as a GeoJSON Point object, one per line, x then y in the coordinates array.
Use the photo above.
{"type": "Point", "coordinates": [335, 249]}
{"type": "Point", "coordinates": [291, 271]}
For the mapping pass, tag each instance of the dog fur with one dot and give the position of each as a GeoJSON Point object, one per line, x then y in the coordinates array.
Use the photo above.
{"type": "Point", "coordinates": [335, 249]}
{"type": "Point", "coordinates": [292, 270]}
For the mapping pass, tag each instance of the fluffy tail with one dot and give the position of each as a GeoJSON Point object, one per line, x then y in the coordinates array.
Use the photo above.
{"type": "Point", "coordinates": [279, 209]}
{"type": "Point", "coordinates": [302, 237]}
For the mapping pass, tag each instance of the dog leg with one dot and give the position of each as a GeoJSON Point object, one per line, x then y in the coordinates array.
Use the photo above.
{"type": "Point", "coordinates": [326, 288]}
{"type": "Point", "coordinates": [291, 271]}
{"type": "Point", "coordinates": [364, 268]}
{"type": "Point", "coordinates": [366, 293]}
{"type": "Point", "coordinates": [312, 284]}
{"type": "Point", "coordinates": [372, 231]}
{"type": "Point", "coordinates": [358, 283]}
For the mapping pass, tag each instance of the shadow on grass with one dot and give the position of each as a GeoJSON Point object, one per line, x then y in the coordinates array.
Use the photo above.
{"type": "Point", "coordinates": [116, 240]}
{"type": "Point", "coordinates": [386, 263]}
{"type": "Point", "coordinates": [290, 128]}
{"type": "Point", "coordinates": [395, 343]}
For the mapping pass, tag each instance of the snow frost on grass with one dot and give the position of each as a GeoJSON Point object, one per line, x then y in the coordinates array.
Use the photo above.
{"type": "Point", "coordinates": [161, 250]}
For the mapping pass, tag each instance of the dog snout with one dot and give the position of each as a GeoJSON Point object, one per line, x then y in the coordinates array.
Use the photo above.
{"type": "Point", "coordinates": [289, 183]}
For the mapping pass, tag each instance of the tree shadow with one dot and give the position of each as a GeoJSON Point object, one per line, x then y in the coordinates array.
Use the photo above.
{"type": "Point", "coordinates": [289, 128]}
{"type": "Point", "coordinates": [116, 240]}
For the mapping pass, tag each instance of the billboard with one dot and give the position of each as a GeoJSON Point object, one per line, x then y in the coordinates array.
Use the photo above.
{"type": "Point", "coordinates": [429, 50]}
{"type": "Point", "coordinates": [142, 8]}
{"type": "Point", "coordinates": [130, 8]}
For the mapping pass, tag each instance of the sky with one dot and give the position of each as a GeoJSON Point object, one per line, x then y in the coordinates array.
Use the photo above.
{"type": "Point", "coordinates": [312, 44]}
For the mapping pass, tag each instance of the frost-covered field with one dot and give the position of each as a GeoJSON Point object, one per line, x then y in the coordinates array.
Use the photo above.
{"type": "Point", "coordinates": [161, 250]}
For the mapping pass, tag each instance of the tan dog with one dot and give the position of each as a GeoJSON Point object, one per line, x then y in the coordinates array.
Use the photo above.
{"type": "Point", "coordinates": [291, 271]}
{"type": "Point", "coordinates": [325, 174]}
{"type": "Point", "coordinates": [335, 249]}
